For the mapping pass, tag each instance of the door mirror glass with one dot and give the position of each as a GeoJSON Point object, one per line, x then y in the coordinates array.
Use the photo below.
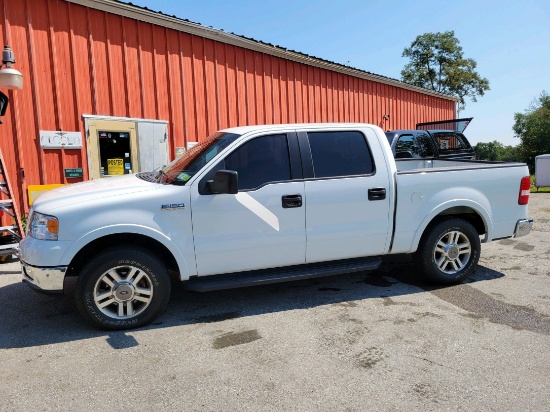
{"type": "Point", "coordinates": [3, 104]}
{"type": "Point", "coordinates": [225, 181]}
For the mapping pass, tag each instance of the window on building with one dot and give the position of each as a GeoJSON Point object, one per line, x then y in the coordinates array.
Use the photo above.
{"type": "Point", "coordinates": [338, 154]}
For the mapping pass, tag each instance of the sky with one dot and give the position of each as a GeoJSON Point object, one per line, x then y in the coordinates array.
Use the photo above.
{"type": "Point", "coordinates": [509, 40]}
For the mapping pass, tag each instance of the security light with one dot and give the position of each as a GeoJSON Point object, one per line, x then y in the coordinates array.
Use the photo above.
{"type": "Point", "coordinates": [9, 78]}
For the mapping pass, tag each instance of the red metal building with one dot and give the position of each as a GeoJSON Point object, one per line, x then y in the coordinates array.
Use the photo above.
{"type": "Point", "coordinates": [111, 72]}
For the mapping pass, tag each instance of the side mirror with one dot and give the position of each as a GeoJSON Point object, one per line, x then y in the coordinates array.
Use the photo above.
{"type": "Point", "coordinates": [403, 155]}
{"type": "Point", "coordinates": [225, 181]}
{"type": "Point", "coordinates": [3, 104]}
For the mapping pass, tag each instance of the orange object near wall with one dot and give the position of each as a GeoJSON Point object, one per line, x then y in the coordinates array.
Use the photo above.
{"type": "Point", "coordinates": [78, 60]}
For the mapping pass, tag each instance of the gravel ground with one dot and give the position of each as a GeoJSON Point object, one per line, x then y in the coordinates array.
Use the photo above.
{"type": "Point", "coordinates": [367, 341]}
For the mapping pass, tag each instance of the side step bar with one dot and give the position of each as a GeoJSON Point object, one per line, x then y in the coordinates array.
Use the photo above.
{"type": "Point", "coordinates": [283, 274]}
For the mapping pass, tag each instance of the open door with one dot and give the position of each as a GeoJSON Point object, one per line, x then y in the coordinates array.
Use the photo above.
{"type": "Point", "coordinates": [112, 148]}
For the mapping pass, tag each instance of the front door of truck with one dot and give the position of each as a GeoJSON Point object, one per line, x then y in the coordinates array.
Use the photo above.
{"type": "Point", "coordinates": [348, 195]}
{"type": "Point", "coordinates": [261, 226]}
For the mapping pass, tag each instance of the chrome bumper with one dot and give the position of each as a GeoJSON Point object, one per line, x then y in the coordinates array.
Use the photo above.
{"type": "Point", "coordinates": [523, 227]}
{"type": "Point", "coordinates": [44, 279]}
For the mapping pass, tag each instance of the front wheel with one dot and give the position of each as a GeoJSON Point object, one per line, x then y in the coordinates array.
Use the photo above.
{"type": "Point", "coordinates": [449, 251]}
{"type": "Point", "coordinates": [122, 288]}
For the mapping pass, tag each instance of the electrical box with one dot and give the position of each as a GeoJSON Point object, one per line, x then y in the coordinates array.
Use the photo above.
{"type": "Point", "coordinates": [60, 140]}
{"type": "Point", "coordinates": [542, 170]}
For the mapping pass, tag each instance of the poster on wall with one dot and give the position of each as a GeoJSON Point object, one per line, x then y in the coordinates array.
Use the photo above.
{"type": "Point", "coordinates": [115, 166]}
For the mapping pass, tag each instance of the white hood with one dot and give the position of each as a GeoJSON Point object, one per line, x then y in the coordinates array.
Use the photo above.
{"type": "Point", "coordinates": [91, 190]}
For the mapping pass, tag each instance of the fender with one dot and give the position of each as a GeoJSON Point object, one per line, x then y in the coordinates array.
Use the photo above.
{"type": "Point", "coordinates": [479, 209]}
{"type": "Point", "coordinates": [181, 260]}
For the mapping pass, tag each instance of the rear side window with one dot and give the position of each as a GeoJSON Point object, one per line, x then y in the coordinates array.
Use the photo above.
{"type": "Point", "coordinates": [339, 154]}
{"type": "Point", "coordinates": [260, 161]}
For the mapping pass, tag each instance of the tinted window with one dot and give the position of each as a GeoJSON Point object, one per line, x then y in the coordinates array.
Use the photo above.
{"type": "Point", "coordinates": [425, 146]}
{"type": "Point", "coordinates": [260, 161]}
{"type": "Point", "coordinates": [450, 141]}
{"type": "Point", "coordinates": [340, 154]}
{"type": "Point", "coordinates": [406, 143]}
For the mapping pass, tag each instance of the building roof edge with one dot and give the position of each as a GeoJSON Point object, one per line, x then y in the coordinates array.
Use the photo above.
{"type": "Point", "coordinates": [158, 18]}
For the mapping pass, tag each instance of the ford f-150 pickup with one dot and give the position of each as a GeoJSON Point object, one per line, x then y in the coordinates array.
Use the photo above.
{"type": "Point", "coordinates": [264, 204]}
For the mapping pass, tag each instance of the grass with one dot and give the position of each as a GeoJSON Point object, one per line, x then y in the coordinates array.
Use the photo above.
{"type": "Point", "coordinates": [540, 189]}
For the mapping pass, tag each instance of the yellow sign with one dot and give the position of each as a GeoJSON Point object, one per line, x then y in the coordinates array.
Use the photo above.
{"type": "Point", "coordinates": [36, 190]}
{"type": "Point", "coordinates": [115, 166]}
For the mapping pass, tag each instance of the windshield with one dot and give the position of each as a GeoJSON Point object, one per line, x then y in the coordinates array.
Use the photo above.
{"type": "Point", "coordinates": [184, 167]}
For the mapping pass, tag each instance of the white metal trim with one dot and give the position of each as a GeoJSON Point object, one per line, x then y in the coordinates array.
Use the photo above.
{"type": "Point", "coordinates": [121, 119]}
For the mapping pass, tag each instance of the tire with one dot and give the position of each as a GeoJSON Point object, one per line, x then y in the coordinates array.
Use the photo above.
{"type": "Point", "coordinates": [122, 288]}
{"type": "Point", "coordinates": [448, 252]}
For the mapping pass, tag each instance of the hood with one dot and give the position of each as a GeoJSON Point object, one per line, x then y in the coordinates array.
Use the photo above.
{"type": "Point", "coordinates": [90, 191]}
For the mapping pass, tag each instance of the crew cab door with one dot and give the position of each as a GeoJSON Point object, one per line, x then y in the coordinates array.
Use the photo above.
{"type": "Point", "coordinates": [261, 226]}
{"type": "Point", "coordinates": [348, 209]}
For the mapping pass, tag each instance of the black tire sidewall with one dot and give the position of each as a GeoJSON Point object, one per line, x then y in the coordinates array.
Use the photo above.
{"type": "Point", "coordinates": [108, 259]}
{"type": "Point", "coordinates": [426, 257]}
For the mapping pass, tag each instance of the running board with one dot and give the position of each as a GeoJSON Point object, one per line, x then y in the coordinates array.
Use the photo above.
{"type": "Point", "coordinates": [283, 274]}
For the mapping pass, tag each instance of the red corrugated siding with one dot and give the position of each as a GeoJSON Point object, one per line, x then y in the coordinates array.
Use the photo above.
{"type": "Point", "coordinates": [77, 60]}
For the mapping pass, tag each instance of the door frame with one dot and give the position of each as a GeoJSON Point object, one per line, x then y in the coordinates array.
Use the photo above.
{"type": "Point", "coordinates": [92, 146]}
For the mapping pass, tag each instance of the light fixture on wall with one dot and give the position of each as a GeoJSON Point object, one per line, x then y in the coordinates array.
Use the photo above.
{"type": "Point", "coordinates": [10, 78]}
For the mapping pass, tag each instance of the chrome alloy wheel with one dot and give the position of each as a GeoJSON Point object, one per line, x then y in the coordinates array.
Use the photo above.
{"type": "Point", "coordinates": [452, 252]}
{"type": "Point", "coordinates": [123, 292]}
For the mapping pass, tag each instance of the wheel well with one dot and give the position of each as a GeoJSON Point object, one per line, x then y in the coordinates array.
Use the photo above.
{"type": "Point", "coordinates": [464, 212]}
{"type": "Point", "coordinates": [119, 239]}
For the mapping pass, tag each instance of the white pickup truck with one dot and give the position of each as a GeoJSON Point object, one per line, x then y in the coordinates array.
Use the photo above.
{"type": "Point", "coordinates": [264, 204]}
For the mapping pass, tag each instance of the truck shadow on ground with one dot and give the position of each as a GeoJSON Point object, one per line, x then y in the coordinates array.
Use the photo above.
{"type": "Point", "coordinates": [31, 319]}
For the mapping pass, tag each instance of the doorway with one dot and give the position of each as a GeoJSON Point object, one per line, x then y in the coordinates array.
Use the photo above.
{"type": "Point", "coordinates": [112, 148]}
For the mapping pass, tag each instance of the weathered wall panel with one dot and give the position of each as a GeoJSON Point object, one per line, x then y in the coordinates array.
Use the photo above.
{"type": "Point", "coordinates": [78, 60]}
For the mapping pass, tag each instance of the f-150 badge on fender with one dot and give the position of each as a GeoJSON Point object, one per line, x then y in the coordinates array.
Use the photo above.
{"type": "Point", "coordinates": [172, 206]}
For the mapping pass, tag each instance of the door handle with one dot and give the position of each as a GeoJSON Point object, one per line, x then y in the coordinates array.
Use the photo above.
{"type": "Point", "coordinates": [377, 193]}
{"type": "Point", "coordinates": [290, 201]}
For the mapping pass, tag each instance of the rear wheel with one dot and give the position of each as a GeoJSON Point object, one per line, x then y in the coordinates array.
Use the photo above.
{"type": "Point", "coordinates": [122, 288]}
{"type": "Point", "coordinates": [449, 251]}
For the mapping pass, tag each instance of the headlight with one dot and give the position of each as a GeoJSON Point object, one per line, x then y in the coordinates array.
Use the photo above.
{"type": "Point", "coordinates": [43, 227]}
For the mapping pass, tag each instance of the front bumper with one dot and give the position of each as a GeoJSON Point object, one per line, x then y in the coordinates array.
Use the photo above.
{"type": "Point", "coordinates": [523, 227]}
{"type": "Point", "coordinates": [49, 280]}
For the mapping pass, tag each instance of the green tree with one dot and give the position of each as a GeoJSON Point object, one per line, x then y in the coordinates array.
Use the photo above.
{"type": "Point", "coordinates": [437, 63]}
{"type": "Point", "coordinates": [533, 128]}
{"type": "Point", "coordinates": [496, 151]}
{"type": "Point", "coordinates": [488, 151]}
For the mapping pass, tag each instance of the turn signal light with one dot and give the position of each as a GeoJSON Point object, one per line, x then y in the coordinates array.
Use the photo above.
{"type": "Point", "coordinates": [53, 226]}
{"type": "Point", "coordinates": [524, 189]}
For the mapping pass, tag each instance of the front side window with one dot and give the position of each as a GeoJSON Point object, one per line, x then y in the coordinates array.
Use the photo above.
{"type": "Point", "coordinates": [260, 161]}
{"type": "Point", "coordinates": [339, 154]}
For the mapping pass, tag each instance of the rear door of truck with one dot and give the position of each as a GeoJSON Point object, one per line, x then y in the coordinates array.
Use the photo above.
{"type": "Point", "coordinates": [347, 186]}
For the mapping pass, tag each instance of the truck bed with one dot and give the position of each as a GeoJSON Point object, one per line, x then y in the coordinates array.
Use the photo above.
{"type": "Point", "coordinates": [425, 187]}
{"type": "Point", "coordinates": [440, 165]}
